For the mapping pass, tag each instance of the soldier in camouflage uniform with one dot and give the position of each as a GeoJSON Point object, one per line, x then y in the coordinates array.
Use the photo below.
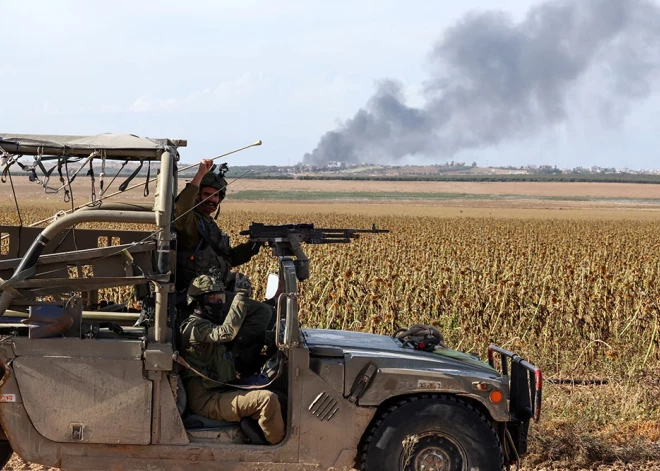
{"type": "Point", "coordinates": [201, 244]}
{"type": "Point", "coordinates": [202, 247]}
{"type": "Point", "coordinates": [204, 337]}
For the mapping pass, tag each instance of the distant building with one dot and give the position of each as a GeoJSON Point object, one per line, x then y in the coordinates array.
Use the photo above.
{"type": "Point", "coordinates": [335, 165]}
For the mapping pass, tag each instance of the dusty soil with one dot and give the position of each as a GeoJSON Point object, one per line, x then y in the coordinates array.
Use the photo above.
{"type": "Point", "coordinates": [451, 209]}
{"type": "Point", "coordinates": [16, 464]}
{"type": "Point", "coordinates": [611, 190]}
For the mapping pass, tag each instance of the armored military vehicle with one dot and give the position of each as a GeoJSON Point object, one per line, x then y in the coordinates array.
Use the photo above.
{"type": "Point", "coordinates": [83, 387]}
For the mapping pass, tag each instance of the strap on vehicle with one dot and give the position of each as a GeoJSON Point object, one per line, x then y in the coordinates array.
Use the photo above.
{"type": "Point", "coordinates": [362, 382]}
{"type": "Point", "coordinates": [117, 174]}
{"type": "Point", "coordinates": [130, 178]}
{"type": "Point", "coordinates": [146, 183]}
{"type": "Point", "coordinates": [181, 361]}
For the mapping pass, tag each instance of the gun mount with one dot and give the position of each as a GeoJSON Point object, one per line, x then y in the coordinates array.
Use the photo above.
{"type": "Point", "coordinates": [285, 240]}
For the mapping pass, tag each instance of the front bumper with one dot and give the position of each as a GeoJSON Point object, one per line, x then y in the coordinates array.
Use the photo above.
{"type": "Point", "coordinates": [525, 389]}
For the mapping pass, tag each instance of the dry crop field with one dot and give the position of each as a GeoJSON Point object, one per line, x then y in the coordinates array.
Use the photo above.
{"type": "Point", "coordinates": [574, 290]}
{"type": "Point", "coordinates": [551, 189]}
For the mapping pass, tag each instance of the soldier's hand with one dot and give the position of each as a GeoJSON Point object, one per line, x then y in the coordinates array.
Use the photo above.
{"type": "Point", "coordinates": [243, 284]}
{"type": "Point", "coordinates": [205, 166]}
{"type": "Point", "coordinates": [255, 247]}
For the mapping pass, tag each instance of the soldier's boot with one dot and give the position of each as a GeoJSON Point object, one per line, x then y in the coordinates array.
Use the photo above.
{"type": "Point", "coordinates": [252, 430]}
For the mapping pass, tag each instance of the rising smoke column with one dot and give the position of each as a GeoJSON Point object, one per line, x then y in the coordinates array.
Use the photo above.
{"type": "Point", "coordinates": [495, 79]}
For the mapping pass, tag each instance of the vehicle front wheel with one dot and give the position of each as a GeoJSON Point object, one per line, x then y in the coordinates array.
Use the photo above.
{"type": "Point", "coordinates": [430, 433]}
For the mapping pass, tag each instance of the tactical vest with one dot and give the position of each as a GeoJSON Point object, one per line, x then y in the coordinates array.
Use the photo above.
{"type": "Point", "coordinates": [198, 260]}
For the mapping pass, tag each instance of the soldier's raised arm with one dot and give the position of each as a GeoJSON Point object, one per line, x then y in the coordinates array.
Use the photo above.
{"type": "Point", "coordinates": [206, 331]}
{"type": "Point", "coordinates": [228, 330]}
{"type": "Point", "coordinates": [185, 219]}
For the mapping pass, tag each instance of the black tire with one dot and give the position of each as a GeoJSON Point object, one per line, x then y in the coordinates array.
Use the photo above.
{"type": "Point", "coordinates": [5, 453]}
{"type": "Point", "coordinates": [430, 432]}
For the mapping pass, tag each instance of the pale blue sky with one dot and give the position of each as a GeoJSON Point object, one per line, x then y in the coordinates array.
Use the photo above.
{"type": "Point", "coordinates": [224, 74]}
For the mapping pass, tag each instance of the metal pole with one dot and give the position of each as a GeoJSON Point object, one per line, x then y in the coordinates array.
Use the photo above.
{"type": "Point", "coordinates": [163, 209]}
{"type": "Point", "coordinates": [88, 315]}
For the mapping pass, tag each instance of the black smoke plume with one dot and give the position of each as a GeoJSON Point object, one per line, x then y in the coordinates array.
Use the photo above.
{"type": "Point", "coordinates": [494, 79]}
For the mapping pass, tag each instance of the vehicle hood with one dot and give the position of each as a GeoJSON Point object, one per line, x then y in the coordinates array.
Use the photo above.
{"type": "Point", "coordinates": [385, 349]}
{"type": "Point", "coordinates": [403, 370]}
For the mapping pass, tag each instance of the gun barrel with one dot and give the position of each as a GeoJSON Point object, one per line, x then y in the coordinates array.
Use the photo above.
{"type": "Point", "coordinates": [306, 233]}
{"type": "Point", "coordinates": [373, 230]}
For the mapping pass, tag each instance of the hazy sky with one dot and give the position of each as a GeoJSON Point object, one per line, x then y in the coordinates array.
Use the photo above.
{"type": "Point", "coordinates": [224, 74]}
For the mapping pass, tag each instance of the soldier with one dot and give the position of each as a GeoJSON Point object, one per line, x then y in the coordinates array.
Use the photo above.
{"type": "Point", "coordinates": [204, 337]}
{"type": "Point", "coordinates": [203, 247]}
{"type": "Point", "coordinates": [241, 325]}
{"type": "Point", "coordinates": [201, 243]}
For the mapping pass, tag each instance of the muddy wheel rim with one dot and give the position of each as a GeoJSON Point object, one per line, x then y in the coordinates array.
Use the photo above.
{"type": "Point", "coordinates": [432, 451]}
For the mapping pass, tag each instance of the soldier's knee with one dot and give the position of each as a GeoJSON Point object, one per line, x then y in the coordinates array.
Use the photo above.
{"type": "Point", "coordinates": [265, 396]}
{"type": "Point", "coordinates": [267, 400]}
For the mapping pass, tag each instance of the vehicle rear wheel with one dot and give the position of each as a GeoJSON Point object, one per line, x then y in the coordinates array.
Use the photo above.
{"type": "Point", "coordinates": [5, 453]}
{"type": "Point", "coordinates": [430, 433]}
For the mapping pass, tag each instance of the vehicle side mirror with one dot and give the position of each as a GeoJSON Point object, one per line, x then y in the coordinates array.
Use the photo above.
{"type": "Point", "coordinates": [272, 285]}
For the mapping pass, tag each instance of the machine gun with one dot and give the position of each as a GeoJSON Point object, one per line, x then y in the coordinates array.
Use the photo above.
{"type": "Point", "coordinates": [285, 240]}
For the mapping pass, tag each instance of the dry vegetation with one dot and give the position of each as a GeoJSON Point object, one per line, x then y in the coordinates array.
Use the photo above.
{"type": "Point", "coordinates": [575, 295]}
{"type": "Point", "coordinates": [578, 298]}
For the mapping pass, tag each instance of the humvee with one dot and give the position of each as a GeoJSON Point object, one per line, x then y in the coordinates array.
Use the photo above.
{"type": "Point", "coordinates": [84, 387]}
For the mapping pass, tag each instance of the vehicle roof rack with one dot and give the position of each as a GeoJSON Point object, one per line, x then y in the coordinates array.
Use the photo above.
{"type": "Point", "coordinates": [120, 146]}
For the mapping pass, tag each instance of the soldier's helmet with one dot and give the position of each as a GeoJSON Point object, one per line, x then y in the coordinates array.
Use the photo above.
{"type": "Point", "coordinates": [204, 284]}
{"type": "Point", "coordinates": [215, 179]}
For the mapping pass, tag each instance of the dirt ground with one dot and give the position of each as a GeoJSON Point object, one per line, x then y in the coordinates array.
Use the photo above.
{"type": "Point", "coordinates": [17, 464]}
{"type": "Point", "coordinates": [610, 190]}
{"type": "Point", "coordinates": [452, 209]}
